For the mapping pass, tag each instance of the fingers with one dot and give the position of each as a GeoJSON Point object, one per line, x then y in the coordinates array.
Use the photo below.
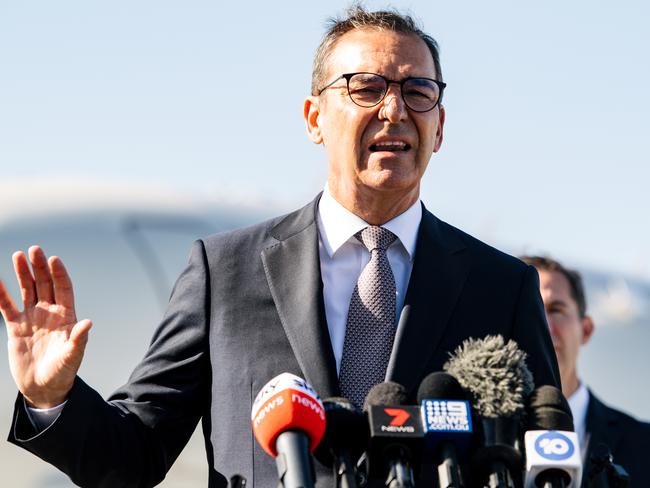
{"type": "Point", "coordinates": [63, 294]}
{"type": "Point", "coordinates": [25, 279]}
{"type": "Point", "coordinates": [42, 276]}
{"type": "Point", "coordinates": [7, 305]}
{"type": "Point", "coordinates": [50, 282]}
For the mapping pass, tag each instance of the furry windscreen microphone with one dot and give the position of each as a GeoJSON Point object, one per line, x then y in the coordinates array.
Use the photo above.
{"type": "Point", "coordinates": [495, 374]}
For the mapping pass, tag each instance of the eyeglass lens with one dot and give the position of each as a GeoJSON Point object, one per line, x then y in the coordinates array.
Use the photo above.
{"type": "Point", "coordinates": [367, 90]}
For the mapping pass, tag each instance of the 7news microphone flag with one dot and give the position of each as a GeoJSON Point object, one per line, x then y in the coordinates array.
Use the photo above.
{"type": "Point", "coordinates": [396, 435]}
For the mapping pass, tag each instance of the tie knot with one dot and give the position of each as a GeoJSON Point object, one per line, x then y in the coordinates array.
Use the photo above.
{"type": "Point", "coordinates": [375, 237]}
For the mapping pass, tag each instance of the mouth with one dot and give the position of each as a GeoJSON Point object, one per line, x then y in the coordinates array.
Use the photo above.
{"type": "Point", "coordinates": [390, 146]}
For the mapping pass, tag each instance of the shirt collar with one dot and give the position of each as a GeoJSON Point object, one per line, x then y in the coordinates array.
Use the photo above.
{"type": "Point", "coordinates": [337, 224]}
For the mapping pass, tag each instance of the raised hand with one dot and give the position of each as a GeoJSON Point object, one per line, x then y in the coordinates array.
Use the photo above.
{"type": "Point", "coordinates": [46, 343]}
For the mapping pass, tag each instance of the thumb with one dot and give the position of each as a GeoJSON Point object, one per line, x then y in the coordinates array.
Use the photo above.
{"type": "Point", "coordinates": [79, 333]}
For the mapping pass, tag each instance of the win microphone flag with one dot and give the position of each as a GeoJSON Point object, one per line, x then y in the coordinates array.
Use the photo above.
{"type": "Point", "coordinates": [447, 421]}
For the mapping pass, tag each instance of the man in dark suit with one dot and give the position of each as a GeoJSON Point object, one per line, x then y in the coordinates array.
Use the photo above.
{"type": "Point", "coordinates": [275, 297]}
{"type": "Point", "coordinates": [571, 328]}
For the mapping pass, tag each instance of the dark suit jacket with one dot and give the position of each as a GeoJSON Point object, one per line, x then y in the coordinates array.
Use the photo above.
{"type": "Point", "coordinates": [250, 306]}
{"type": "Point", "coordinates": [627, 438]}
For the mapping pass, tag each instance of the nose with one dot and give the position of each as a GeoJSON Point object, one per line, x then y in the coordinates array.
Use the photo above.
{"type": "Point", "coordinates": [552, 326]}
{"type": "Point", "coordinates": [393, 107]}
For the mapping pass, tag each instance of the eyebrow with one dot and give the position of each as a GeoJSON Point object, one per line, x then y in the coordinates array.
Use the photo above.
{"type": "Point", "coordinates": [557, 302]}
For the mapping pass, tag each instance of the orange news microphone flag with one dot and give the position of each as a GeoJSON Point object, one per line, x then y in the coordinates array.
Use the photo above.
{"type": "Point", "coordinates": [289, 422]}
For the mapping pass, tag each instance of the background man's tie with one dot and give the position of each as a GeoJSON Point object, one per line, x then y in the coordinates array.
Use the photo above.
{"type": "Point", "coordinates": [370, 329]}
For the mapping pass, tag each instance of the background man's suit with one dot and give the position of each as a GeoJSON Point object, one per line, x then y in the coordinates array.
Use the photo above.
{"type": "Point", "coordinates": [250, 306]}
{"type": "Point", "coordinates": [627, 438]}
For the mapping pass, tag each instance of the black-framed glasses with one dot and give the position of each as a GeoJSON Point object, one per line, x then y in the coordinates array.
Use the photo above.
{"type": "Point", "coordinates": [369, 89]}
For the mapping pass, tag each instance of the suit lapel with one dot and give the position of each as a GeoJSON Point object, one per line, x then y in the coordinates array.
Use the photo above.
{"type": "Point", "coordinates": [601, 426]}
{"type": "Point", "coordinates": [440, 268]}
{"type": "Point", "coordinates": [292, 268]}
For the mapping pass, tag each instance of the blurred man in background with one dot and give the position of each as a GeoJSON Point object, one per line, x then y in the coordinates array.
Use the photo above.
{"type": "Point", "coordinates": [571, 328]}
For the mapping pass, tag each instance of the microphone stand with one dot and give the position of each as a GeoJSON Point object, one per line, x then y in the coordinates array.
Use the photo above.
{"type": "Point", "coordinates": [499, 476]}
{"type": "Point", "coordinates": [294, 464]}
{"type": "Point", "coordinates": [553, 478]}
{"type": "Point", "coordinates": [400, 474]}
{"type": "Point", "coordinates": [344, 472]}
{"type": "Point", "coordinates": [448, 474]}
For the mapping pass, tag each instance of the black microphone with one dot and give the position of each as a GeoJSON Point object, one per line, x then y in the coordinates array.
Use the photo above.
{"type": "Point", "coordinates": [547, 409]}
{"type": "Point", "coordinates": [237, 481]}
{"type": "Point", "coordinates": [447, 426]}
{"type": "Point", "coordinates": [345, 440]}
{"type": "Point", "coordinates": [396, 435]}
{"type": "Point", "coordinates": [603, 473]}
{"type": "Point", "coordinates": [553, 458]}
{"type": "Point", "coordinates": [495, 375]}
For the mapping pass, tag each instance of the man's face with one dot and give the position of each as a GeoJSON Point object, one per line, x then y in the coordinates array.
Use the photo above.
{"type": "Point", "coordinates": [568, 330]}
{"type": "Point", "coordinates": [358, 168]}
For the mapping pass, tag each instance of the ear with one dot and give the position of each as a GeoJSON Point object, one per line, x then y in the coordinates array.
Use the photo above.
{"type": "Point", "coordinates": [441, 124]}
{"type": "Point", "coordinates": [587, 329]}
{"type": "Point", "coordinates": [311, 113]}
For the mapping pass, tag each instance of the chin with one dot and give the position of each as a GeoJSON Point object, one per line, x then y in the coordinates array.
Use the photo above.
{"type": "Point", "coordinates": [391, 180]}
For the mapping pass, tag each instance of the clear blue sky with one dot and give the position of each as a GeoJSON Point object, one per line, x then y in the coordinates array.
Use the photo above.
{"type": "Point", "coordinates": [548, 110]}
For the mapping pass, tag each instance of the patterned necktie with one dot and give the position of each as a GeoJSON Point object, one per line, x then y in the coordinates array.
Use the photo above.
{"type": "Point", "coordinates": [370, 328]}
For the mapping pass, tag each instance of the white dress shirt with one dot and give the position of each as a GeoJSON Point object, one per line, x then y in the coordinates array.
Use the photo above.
{"type": "Point", "coordinates": [343, 257]}
{"type": "Point", "coordinates": [579, 402]}
{"type": "Point", "coordinates": [42, 418]}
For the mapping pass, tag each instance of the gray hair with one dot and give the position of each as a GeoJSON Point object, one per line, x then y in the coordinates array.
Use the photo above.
{"type": "Point", "coordinates": [359, 18]}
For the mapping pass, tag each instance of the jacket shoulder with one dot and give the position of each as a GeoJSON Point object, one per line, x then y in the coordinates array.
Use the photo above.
{"type": "Point", "coordinates": [254, 235]}
{"type": "Point", "coordinates": [627, 422]}
{"type": "Point", "coordinates": [263, 234]}
{"type": "Point", "coordinates": [481, 253]}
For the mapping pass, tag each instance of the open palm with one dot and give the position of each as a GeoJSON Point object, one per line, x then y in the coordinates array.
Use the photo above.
{"type": "Point", "coordinates": [45, 341]}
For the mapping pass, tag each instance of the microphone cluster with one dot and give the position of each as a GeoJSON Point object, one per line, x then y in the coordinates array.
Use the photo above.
{"type": "Point", "coordinates": [480, 424]}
